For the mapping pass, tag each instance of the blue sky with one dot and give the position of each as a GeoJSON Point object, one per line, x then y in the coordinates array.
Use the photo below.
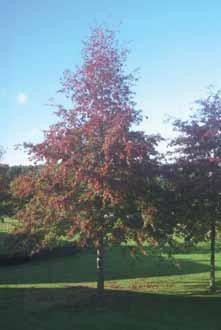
{"type": "Point", "coordinates": [175, 44]}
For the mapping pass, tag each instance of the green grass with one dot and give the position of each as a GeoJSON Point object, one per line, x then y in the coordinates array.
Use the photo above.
{"type": "Point", "coordinates": [148, 292]}
{"type": "Point", "coordinates": [6, 228]}
{"type": "Point", "coordinates": [7, 225]}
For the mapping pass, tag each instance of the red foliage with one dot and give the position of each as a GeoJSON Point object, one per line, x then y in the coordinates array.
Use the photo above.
{"type": "Point", "coordinates": [198, 175]}
{"type": "Point", "coordinates": [96, 166]}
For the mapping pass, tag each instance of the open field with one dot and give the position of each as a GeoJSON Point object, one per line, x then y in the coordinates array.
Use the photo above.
{"type": "Point", "coordinates": [147, 292]}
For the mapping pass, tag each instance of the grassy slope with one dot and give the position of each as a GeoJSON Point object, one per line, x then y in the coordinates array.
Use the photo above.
{"type": "Point", "coordinates": [152, 292]}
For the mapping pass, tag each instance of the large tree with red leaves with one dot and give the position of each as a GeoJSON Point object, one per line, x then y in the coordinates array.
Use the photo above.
{"type": "Point", "coordinates": [197, 173]}
{"type": "Point", "coordinates": [97, 168]}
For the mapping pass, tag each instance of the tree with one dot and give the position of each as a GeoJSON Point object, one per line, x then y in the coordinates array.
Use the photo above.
{"type": "Point", "coordinates": [96, 168]}
{"type": "Point", "coordinates": [4, 192]}
{"type": "Point", "coordinates": [198, 172]}
{"type": "Point", "coordinates": [8, 204]}
{"type": "Point", "coordinates": [1, 152]}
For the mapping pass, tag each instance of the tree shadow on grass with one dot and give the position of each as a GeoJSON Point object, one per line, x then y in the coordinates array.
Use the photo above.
{"type": "Point", "coordinates": [4, 236]}
{"type": "Point", "coordinates": [81, 268]}
{"type": "Point", "coordinates": [202, 288]}
{"type": "Point", "coordinates": [79, 308]}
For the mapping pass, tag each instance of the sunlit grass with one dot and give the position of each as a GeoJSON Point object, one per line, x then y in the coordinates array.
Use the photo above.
{"type": "Point", "coordinates": [7, 224]}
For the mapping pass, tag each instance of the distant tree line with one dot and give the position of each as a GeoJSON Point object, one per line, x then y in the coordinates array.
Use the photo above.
{"type": "Point", "coordinates": [9, 204]}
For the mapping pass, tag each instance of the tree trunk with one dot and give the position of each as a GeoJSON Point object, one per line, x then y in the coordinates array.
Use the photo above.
{"type": "Point", "coordinates": [212, 256]}
{"type": "Point", "coordinates": [100, 267]}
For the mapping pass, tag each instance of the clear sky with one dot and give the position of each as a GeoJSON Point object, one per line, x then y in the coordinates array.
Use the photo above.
{"type": "Point", "coordinates": [176, 45]}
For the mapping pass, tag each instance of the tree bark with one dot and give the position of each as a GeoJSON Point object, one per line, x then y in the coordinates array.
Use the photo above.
{"type": "Point", "coordinates": [212, 256]}
{"type": "Point", "coordinates": [100, 267]}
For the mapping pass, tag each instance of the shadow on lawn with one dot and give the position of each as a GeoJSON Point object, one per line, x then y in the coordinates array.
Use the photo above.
{"type": "Point", "coordinates": [81, 268]}
{"type": "Point", "coordinates": [79, 308]}
{"type": "Point", "coordinates": [202, 288]}
{"type": "Point", "coordinates": [3, 237]}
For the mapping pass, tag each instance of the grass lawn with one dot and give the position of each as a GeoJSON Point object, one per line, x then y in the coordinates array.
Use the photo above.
{"type": "Point", "coordinates": [150, 292]}
{"type": "Point", "coordinates": [6, 226]}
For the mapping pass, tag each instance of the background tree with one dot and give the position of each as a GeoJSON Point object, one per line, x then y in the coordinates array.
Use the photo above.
{"type": "Point", "coordinates": [164, 200]}
{"type": "Point", "coordinates": [198, 172]}
{"type": "Point", "coordinates": [97, 167]}
{"type": "Point", "coordinates": [8, 204]}
{"type": "Point", "coordinates": [1, 152]}
{"type": "Point", "coordinates": [4, 193]}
